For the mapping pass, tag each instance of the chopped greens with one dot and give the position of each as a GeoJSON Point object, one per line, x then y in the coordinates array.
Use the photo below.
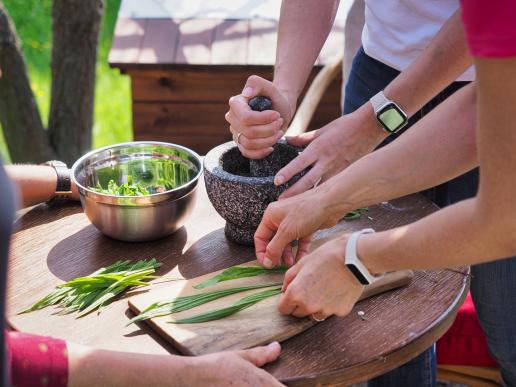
{"type": "Point", "coordinates": [180, 304]}
{"type": "Point", "coordinates": [355, 214]}
{"type": "Point", "coordinates": [134, 189]}
{"type": "Point", "coordinates": [237, 272]}
{"type": "Point", "coordinates": [85, 294]}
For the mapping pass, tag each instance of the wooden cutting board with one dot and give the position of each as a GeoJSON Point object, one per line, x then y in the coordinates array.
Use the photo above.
{"type": "Point", "coordinates": [257, 325]}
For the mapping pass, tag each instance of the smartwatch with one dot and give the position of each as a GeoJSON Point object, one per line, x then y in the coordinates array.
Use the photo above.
{"type": "Point", "coordinates": [63, 189]}
{"type": "Point", "coordinates": [388, 113]}
{"type": "Point", "coordinates": [353, 262]}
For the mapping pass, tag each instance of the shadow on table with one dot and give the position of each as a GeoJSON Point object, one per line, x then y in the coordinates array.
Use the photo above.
{"type": "Point", "coordinates": [43, 213]}
{"type": "Point", "coordinates": [141, 328]}
{"type": "Point", "coordinates": [88, 250]}
{"type": "Point", "coordinates": [213, 252]}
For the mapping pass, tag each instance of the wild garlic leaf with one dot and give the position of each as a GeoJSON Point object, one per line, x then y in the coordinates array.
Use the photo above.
{"type": "Point", "coordinates": [237, 272]}
{"type": "Point", "coordinates": [134, 189]}
{"type": "Point", "coordinates": [85, 294]}
{"type": "Point", "coordinates": [241, 304]}
{"type": "Point", "coordinates": [183, 303]}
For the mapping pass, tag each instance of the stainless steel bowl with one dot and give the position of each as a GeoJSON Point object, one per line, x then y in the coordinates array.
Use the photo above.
{"type": "Point", "coordinates": [138, 218]}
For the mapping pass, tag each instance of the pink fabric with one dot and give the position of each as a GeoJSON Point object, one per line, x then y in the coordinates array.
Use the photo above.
{"type": "Point", "coordinates": [490, 27]}
{"type": "Point", "coordinates": [465, 343]}
{"type": "Point", "coordinates": [37, 360]}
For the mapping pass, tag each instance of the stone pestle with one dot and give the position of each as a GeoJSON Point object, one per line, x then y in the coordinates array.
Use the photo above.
{"type": "Point", "coordinates": [271, 164]}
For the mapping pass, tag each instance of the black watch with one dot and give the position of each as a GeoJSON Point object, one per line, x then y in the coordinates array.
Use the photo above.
{"type": "Point", "coordinates": [63, 189]}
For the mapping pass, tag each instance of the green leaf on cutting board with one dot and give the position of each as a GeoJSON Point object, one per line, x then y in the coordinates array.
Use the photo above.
{"type": "Point", "coordinates": [241, 304]}
{"type": "Point", "coordinates": [237, 272]}
{"type": "Point", "coordinates": [182, 303]}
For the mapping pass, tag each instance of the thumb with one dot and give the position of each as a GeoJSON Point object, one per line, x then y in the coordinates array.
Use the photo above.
{"type": "Point", "coordinates": [256, 85]}
{"type": "Point", "coordinates": [260, 356]}
{"type": "Point", "coordinates": [302, 139]}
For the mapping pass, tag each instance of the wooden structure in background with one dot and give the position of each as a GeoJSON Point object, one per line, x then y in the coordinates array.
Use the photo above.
{"type": "Point", "coordinates": [183, 72]}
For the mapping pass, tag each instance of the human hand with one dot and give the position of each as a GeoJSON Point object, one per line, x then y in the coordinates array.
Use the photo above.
{"type": "Point", "coordinates": [289, 220]}
{"type": "Point", "coordinates": [236, 367]}
{"type": "Point", "coordinates": [331, 149]}
{"type": "Point", "coordinates": [91, 367]}
{"type": "Point", "coordinates": [256, 132]}
{"type": "Point", "coordinates": [320, 285]}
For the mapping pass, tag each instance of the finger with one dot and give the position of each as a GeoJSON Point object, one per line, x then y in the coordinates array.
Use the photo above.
{"type": "Point", "coordinates": [307, 182]}
{"type": "Point", "coordinates": [242, 113]}
{"type": "Point", "coordinates": [260, 356]}
{"type": "Point", "coordinates": [290, 275]}
{"type": "Point", "coordinates": [288, 257]}
{"type": "Point", "coordinates": [320, 315]}
{"type": "Point", "coordinates": [303, 311]}
{"type": "Point", "coordinates": [285, 304]}
{"type": "Point", "coordinates": [277, 245]}
{"type": "Point", "coordinates": [302, 161]}
{"type": "Point", "coordinates": [302, 139]}
{"type": "Point", "coordinates": [230, 117]}
{"type": "Point", "coordinates": [261, 143]}
{"type": "Point", "coordinates": [263, 131]}
{"type": "Point", "coordinates": [255, 131]}
{"type": "Point", "coordinates": [294, 302]}
{"type": "Point", "coordinates": [263, 236]}
{"type": "Point", "coordinates": [256, 85]}
{"type": "Point", "coordinates": [303, 247]}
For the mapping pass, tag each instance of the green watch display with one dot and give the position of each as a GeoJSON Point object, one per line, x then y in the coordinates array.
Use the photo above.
{"type": "Point", "coordinates": [390, 116]}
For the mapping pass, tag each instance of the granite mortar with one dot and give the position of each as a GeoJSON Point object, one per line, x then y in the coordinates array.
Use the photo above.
{"type": "Point", "coordinates": [238, 197]}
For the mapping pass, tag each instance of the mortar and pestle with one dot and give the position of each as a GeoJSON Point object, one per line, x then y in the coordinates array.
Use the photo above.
{"type": "Point", "coordinates": [239, 188]}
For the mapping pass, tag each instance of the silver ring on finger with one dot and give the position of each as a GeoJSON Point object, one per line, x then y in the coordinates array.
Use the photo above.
{"type": "Point", "coordinates": [238, 138]}
{"type": "Point", "coordinates": [317, 182]}
{"type": "Point", "coordinates": [317, 319]}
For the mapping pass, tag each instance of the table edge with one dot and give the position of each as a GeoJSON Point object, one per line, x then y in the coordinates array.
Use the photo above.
{"type": "Point", "coordinates": [432, 334]}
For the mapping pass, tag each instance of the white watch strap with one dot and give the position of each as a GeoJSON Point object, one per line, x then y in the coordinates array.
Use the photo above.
{"type": "Point", "coordinates": [352, 258]}
{"type": "Point", "coordinates": [378, 101]}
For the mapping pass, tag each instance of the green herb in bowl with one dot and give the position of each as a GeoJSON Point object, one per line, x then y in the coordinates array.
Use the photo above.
{"type": "Point", "coordinates": [134, 189]}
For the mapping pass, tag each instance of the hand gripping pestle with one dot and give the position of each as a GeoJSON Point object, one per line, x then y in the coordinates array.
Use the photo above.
{"type": "Point", "coordinates": [271, 164]}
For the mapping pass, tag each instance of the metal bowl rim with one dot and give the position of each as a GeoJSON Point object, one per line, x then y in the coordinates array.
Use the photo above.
{"type": "Point", "coordinates": [136, 143]}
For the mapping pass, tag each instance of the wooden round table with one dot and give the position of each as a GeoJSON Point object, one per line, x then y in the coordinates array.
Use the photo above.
{"type": "Point", "coordinates": [52, 245]}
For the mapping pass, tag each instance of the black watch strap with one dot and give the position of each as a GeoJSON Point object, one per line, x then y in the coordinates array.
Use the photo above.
{"type": "Point", "coordinates": [64, 185]}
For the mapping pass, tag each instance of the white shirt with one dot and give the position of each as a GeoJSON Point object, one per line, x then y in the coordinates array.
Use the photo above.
{"type": "Point", "coordinates": [397, 31]}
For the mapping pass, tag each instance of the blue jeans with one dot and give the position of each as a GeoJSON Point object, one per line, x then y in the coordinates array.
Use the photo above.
{"type": "Point", "coordinates": [493, 285]}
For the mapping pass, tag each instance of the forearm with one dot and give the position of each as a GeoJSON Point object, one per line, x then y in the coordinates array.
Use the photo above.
{"type": "Point", "coordinates": [303, 29]}
{"type": "Point", "coordinates": [442, 62]}
{"type": "Point", "coordinates": [37, 183]}
{"type": "Point", "coordinates": [438, 148]}
{"type": "Point", "coordinates": [89, 367]}
{"type": "Point", "coordinates": [454, 236]}
{"type": "Point", "coordinates": [476, 230]}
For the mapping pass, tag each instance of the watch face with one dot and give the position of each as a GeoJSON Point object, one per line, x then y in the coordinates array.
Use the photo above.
{"type": "Point", "coordinates": [391, 117]}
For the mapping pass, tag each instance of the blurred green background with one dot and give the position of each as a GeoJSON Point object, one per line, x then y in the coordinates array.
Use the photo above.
{"type": "Point", "coordinates": [112, 121]}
